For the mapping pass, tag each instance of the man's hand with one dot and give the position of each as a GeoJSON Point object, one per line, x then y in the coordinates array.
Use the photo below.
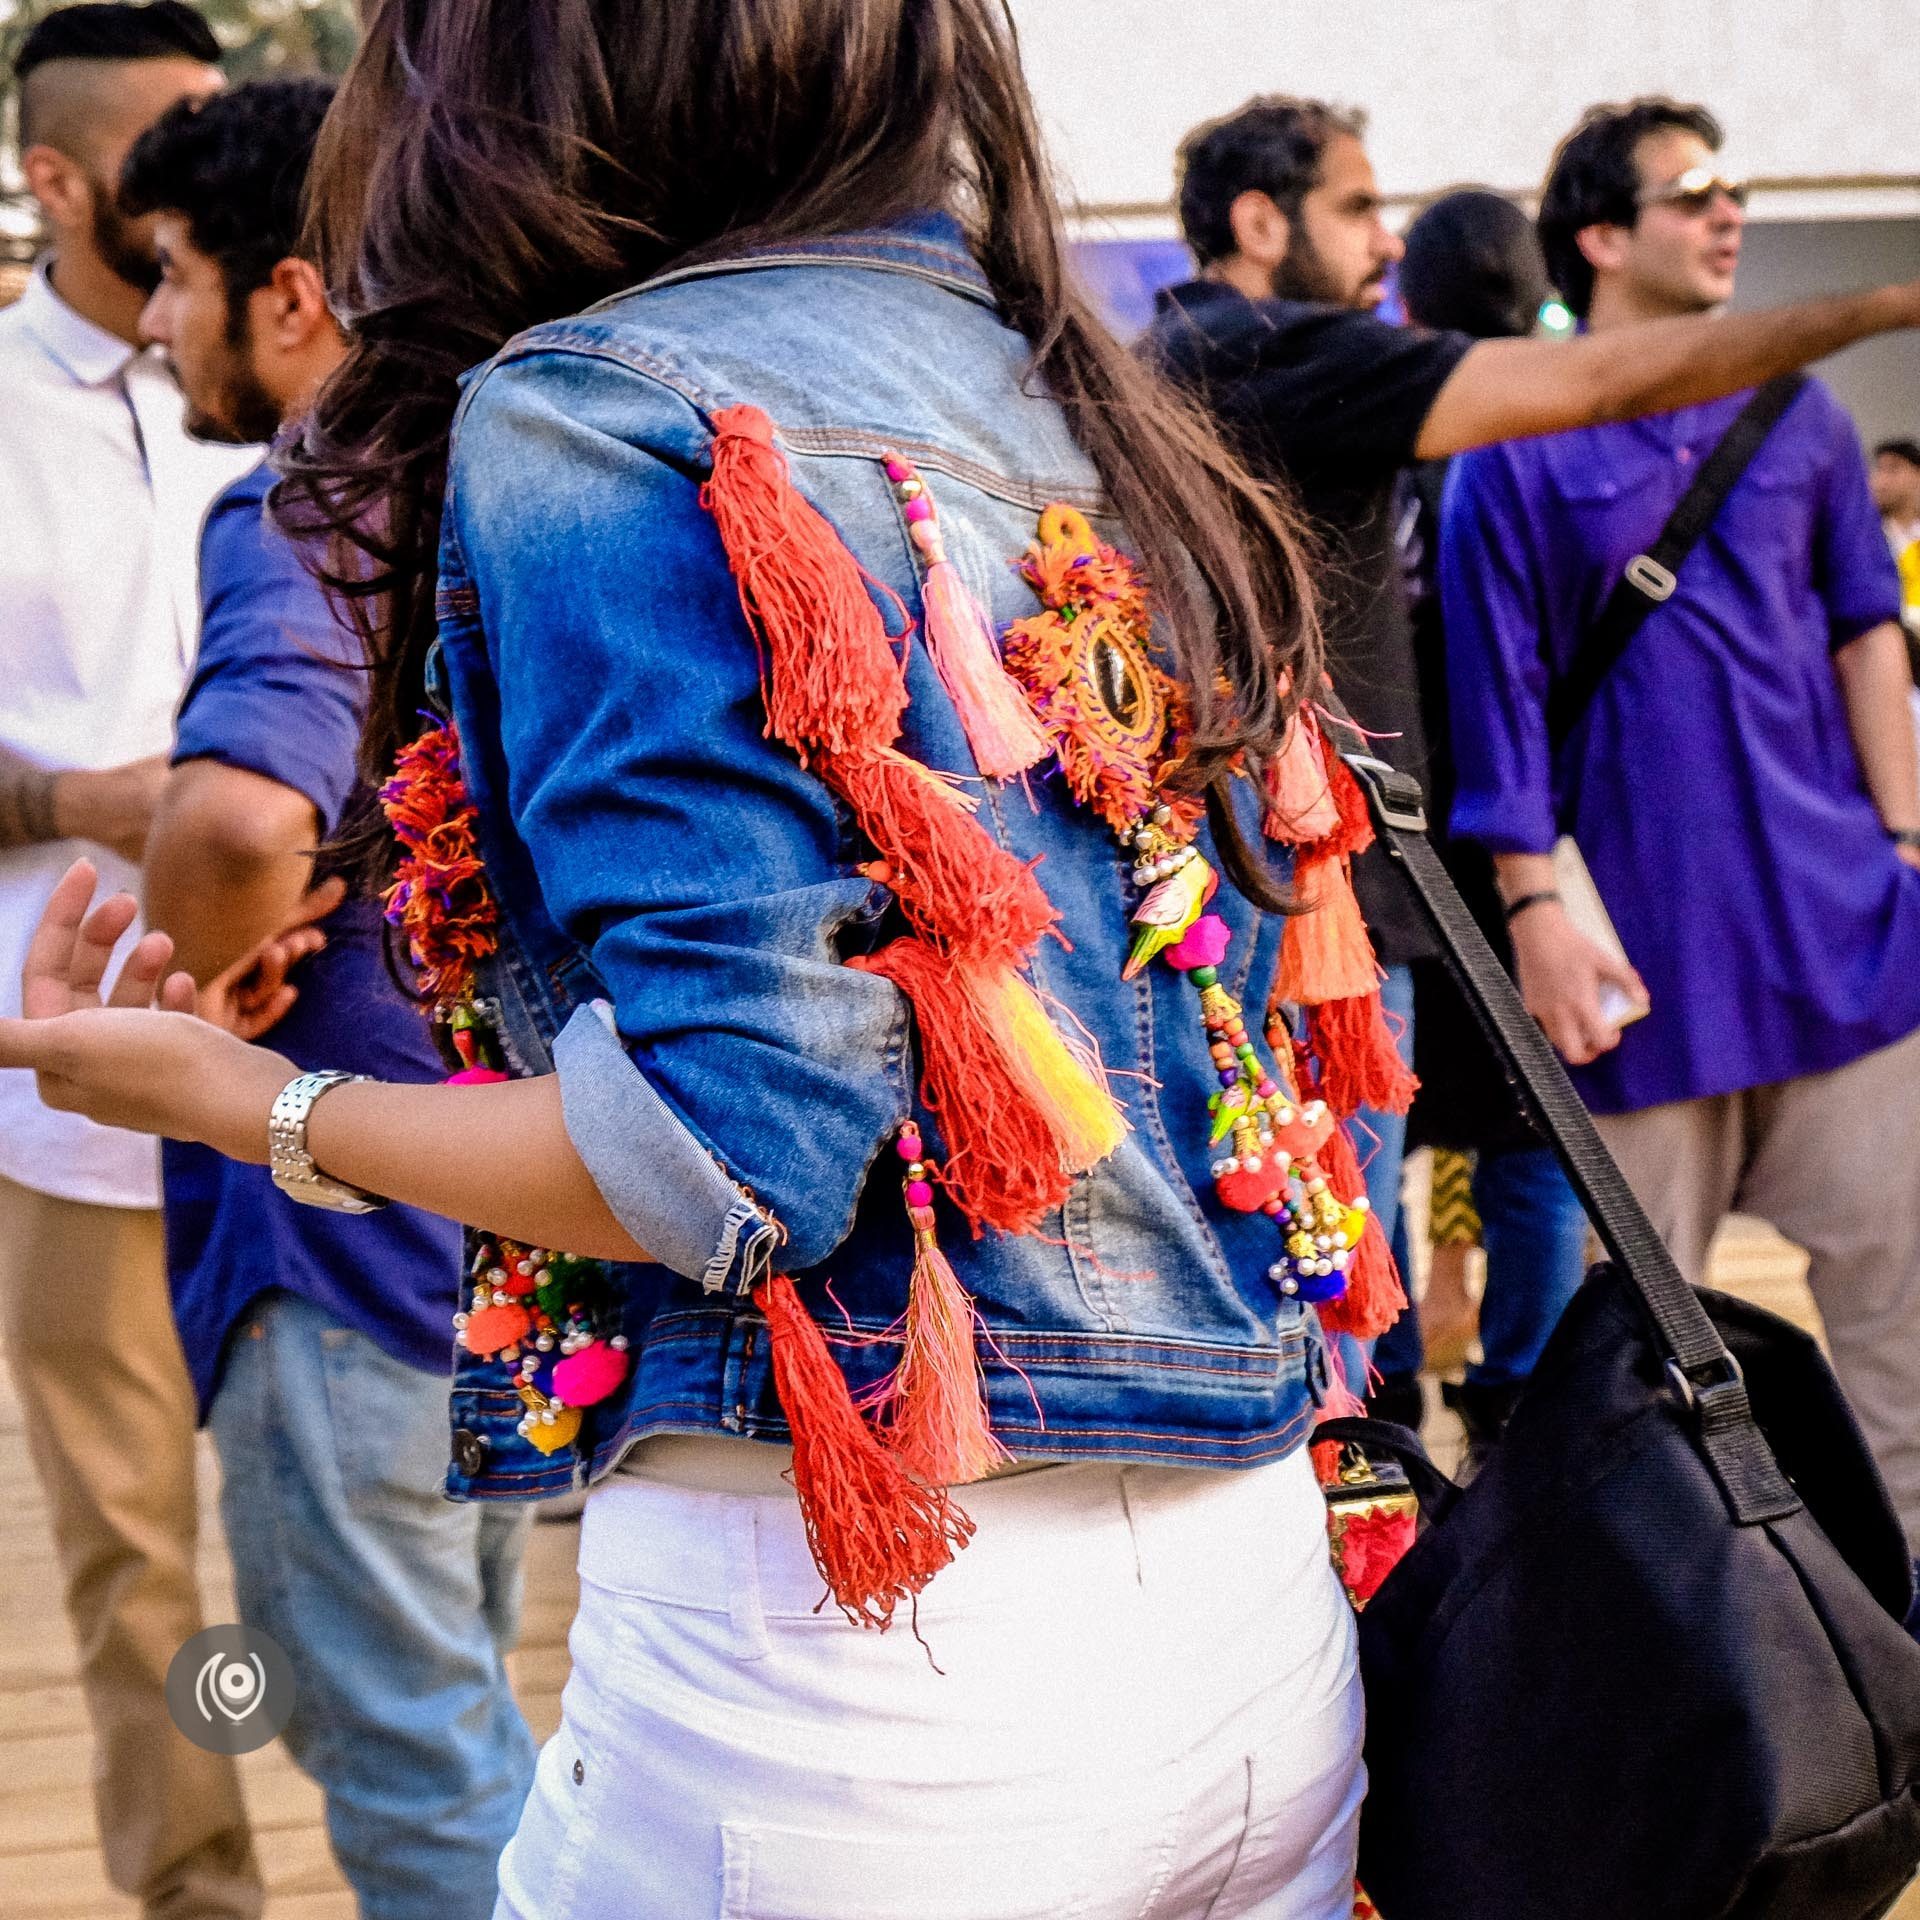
{"type": "Point", "coordinates": [112, 807]}
{"type": "Point", "coordinates": [254, 994]}
{"type": "Point", "coordinates": [1561, 975]}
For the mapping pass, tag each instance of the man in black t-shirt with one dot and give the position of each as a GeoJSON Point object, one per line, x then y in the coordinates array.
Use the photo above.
{"type": "Point", "coordinates": [1279, 338]}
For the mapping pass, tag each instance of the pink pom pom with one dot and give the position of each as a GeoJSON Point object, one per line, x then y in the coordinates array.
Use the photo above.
{"type": "Point", "coordinates": [590, 1375]}
{"type": "Point", "coordinates": [476, 1077]}
{"type": "Point", "coordinates": [1204, 944]}
{"type": "Point", "coordinates": [919, 1194]}
{"type": "Point", "coordinates": [919, 508]}
{"type": "Point", "coordinates": [908, 1147]}
{"type": "Point", "coordinates": [897, 469]}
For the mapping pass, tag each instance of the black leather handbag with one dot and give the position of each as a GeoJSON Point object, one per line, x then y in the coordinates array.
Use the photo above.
{"type": "Point", "coordinates": [1650, 1664]}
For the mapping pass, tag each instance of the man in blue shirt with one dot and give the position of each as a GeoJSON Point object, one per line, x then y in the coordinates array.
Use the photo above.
{"type": "Point", "coordinates": [1743, 785]}
{"type": "Point", "coordinates": [319, 1342]}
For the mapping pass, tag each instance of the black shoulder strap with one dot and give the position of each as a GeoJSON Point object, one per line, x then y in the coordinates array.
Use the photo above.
{"type": "Point", "coordinates": [1650, 577]}
{"type": "Point", "coordinates": [1703, 1371]}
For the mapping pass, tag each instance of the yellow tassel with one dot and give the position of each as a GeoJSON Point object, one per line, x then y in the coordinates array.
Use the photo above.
{"type": "Point", "coordinates": [1325, 953]}
{"type": "Point", "coordinates": [1068, 1082]}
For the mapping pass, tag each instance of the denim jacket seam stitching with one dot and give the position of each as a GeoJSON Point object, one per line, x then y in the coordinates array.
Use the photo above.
{"type": "Point", "coordinates": [860, 443]}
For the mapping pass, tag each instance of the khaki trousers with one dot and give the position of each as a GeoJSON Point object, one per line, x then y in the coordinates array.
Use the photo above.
{"type": "Point", "coordinates": [109, 1414]}
{"type": "Point", "coordinates": [1833, 1162]}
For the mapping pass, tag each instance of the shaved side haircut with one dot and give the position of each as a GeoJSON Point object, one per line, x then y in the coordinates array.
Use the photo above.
{"type": "Point", "coordinates": [58, 68]}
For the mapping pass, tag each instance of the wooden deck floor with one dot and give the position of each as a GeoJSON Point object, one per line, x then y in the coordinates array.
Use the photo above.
{"type": "Point", "coordinates": [49, 1866]}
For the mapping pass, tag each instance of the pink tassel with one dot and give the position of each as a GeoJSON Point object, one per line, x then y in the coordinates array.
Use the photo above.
{"type": "Point", "coordinates": [1005, 737]}
{"type": "Point", "coordinates": [937, 1424]}
{"type": "Point", "coordinates": [1001, 729]}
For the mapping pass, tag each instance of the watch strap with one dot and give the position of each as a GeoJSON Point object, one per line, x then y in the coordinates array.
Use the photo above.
{"type": "Point", "coordinates": [292, 1165]}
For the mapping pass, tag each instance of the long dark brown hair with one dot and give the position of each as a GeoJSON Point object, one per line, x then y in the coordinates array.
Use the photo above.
{"type": "Point", "coordinates": [489, 164]}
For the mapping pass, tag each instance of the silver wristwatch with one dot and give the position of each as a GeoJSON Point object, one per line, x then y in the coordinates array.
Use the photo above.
{"type": "Point", "coordinates": [293, 1170]}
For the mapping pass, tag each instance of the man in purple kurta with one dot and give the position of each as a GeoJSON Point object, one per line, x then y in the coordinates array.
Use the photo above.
{"type": "Point", "coordinates": [1743, 785]}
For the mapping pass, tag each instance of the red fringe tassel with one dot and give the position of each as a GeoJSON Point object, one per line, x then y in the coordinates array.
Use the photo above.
{"type": "Point", "coordinates": [1003, 1166]}
{"type": "Point", "coordinates": [833, 681]}
{"type": "Point", "coordinates": [1374, 1298]}
{"type": "Point", "coordinates": [878, 1535]}
{"type": "Point", "coordinates": [1360, 1066]}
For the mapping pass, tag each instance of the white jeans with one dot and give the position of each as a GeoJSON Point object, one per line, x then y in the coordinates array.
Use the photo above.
{"type": "Point", "coordinates": [1137, 1696]}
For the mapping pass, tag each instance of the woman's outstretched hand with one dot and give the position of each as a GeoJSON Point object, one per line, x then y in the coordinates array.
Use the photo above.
{"type": "Point", "coordinates": [137, 1056]}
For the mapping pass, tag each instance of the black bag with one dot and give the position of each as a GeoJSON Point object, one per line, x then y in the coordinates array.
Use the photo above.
{"type": "Point", "coordinates": [1649, 1664]}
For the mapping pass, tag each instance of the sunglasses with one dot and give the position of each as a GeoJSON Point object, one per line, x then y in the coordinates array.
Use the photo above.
{"type": "Point", "coordinates": [1694, 190]}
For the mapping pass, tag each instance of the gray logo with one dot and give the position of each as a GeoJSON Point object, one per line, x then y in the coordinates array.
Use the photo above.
{"type": "Point", "coordinates": [230, 1689]}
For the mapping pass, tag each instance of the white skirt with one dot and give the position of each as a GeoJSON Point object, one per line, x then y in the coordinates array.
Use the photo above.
{"type": "Point", "coordinates": [1133, 1697]}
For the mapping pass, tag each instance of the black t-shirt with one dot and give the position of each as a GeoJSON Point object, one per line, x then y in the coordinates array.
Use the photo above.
{"type": "Point", "coordinates": [1331, 401]}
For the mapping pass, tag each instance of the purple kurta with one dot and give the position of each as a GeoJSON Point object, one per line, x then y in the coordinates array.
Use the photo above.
{"type": "Point", "coordinates": [1713, 784]}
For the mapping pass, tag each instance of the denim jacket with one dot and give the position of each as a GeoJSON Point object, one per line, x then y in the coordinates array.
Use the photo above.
{"type": "Point", "coordinates": [677, 894]}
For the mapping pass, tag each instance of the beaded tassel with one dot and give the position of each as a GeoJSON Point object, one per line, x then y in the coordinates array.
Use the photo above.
{"type": "Point", "coordinates": [936, 1408]}
{"type": "Point", "coordinates": [1274, 1142]}
{"type": "Point", "coordinates": [1000, 727]}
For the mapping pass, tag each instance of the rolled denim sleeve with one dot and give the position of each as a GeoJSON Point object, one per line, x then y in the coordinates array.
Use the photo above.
{"type": "Point", "coordinates": [742, 1074]}
{"type": "Point", "coordinates": [1496, 624]}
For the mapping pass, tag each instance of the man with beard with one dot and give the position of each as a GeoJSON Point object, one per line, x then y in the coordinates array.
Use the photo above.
{"type": "Point", "coordinates": [101, 495]}
{"type": "Point", "coordinates": [318, 1341]}
{"type": "Point", "coordinates": [1278, 336]}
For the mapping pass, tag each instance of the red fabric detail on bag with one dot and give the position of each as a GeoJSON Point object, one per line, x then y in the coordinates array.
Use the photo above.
{"type": "Point", "coordinates": [877, 1534]}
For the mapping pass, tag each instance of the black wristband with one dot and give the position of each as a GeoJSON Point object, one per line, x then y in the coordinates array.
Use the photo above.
{"type": "Point", "coordinates": [1515, 908]}
{"type": "Point", "coordinates": [1905, 837]}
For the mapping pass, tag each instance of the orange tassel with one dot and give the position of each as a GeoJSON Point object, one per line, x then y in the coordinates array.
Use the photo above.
{"type": "Point", "coordinates": [937, 1410]}
{"type": "Point", "coordinates": [1007, 1164]}
{"type": "Point", "coordinates": [1374, 1298]}
{"type": "Point", "coordinates": [1300, 802]}
{"type": "Point", "coordinates": [1353, 832]}
{"type": "Point", "coordinates": [1005, 737]}
{"type": "Point", "coordinates": [1325, 953]}
{"type": "Point", "coordinates": [953, 880]}
{"type": "Point", "coordinates": [1360, 1066]}
{"type": "Point", "coordinates": [833, 681]}
{"type": "Point", "coordinates": [878, 1536]}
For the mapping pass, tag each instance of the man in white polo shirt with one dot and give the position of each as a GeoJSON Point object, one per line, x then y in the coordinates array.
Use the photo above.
{"type": "Point", "coordinates": [101, 495]}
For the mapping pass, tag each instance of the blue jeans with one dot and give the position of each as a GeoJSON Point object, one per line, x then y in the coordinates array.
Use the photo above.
{"type": "Point", "coordinates": [1380, 1140]}
{"type": "Point", "coordinates": [1535, 1236]}
{"type": "Point", "coordinates": [394, 1605]}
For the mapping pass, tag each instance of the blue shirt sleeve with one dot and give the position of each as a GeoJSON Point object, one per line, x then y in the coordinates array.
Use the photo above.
{"type": "Point", "coordinates": [705, 874]}
{"type": "Point", "coordinates": [1495, 615]}
{"type": "Point", "coordinates": [274, 689]}
{"type": "Point", "coordinates": [1853, 569]}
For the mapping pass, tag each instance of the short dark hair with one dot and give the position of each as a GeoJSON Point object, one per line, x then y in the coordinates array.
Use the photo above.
{"type": "Point", "coordinates": [1273, 145]}
{"type": "Point", "coordinates": [1473, 264]}
{"type": "Point", "coordinates": [235, 167]}
{"type": "Point", "coordinates": [160, 30]}
{"type": "Point", "coordinates": [1907, 450]}
{"type": "Point", "coordinates": [1593, 181]}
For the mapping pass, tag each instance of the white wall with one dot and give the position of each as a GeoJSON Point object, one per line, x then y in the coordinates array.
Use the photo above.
{"type": "Point", "coordinates": [1480, 90]}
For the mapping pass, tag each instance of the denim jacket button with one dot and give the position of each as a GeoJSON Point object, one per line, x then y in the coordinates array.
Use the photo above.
{"type": "Point", "coordinates": [469, 1451]}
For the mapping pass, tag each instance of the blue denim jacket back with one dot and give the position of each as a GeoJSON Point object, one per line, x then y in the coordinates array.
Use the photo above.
{"type": "Point", "coordinates": [678, 895]}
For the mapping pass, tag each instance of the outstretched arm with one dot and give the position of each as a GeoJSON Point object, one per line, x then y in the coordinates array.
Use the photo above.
{"type": "Point", "coordinates": [498, 1157]}
{"type": "Point", "coordinates": [1514, 389]}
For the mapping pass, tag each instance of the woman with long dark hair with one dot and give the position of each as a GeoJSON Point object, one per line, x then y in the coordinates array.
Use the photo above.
{"type": "Point", "coordinates": [828, 700]}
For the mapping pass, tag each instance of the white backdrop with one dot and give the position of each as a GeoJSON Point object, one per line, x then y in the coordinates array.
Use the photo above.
{"type": "Point", "coordinates": [1810, 90]}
